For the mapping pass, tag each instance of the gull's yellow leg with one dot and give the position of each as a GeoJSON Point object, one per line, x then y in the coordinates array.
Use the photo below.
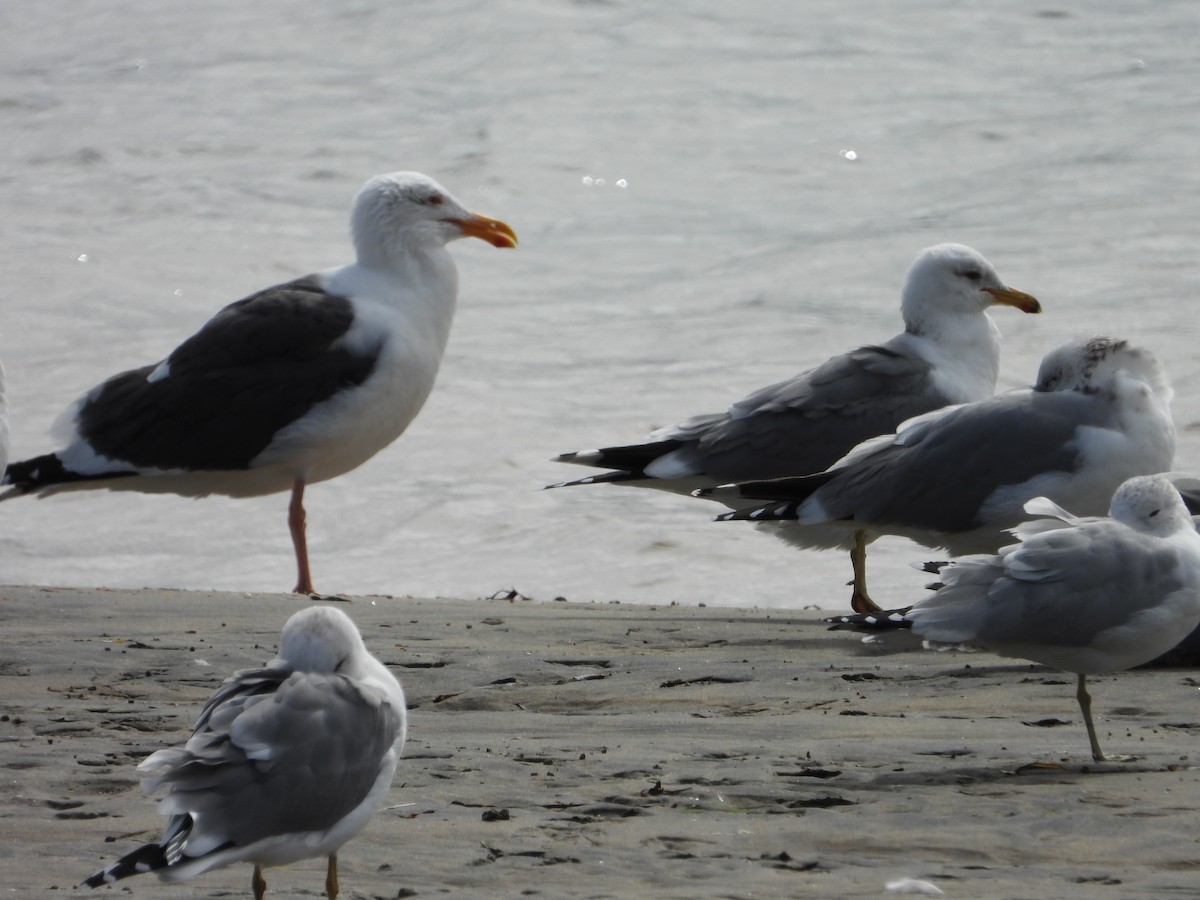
{"type": "Point", "coordinates": [331, 882]}
{"type": "Point", "coordinates": [860, 600]}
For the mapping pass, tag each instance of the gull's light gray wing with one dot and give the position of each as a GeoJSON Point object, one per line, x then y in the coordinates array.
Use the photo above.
{"type": "Point", "coordinates": [1060, 588]}
{"type": "Point", "coordinates": [276, 752]}
{"type": "Point", "coordinates": [942, 478]}
{"type": "Point", "coordinates": [806, 423]}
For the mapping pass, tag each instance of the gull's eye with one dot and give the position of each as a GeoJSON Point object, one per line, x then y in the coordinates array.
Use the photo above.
{"type": "Point", "coordinates": [973, 275]}
{"type": "Point", "coordinates": [434, 200]}
{"type": "Point", "coordinates": [1155, 513]}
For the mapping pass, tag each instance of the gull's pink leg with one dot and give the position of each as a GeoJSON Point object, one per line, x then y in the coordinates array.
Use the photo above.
{"type": "Point", "coordinates": [296, 523]}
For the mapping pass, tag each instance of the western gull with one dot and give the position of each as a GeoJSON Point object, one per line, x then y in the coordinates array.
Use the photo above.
{"type": "Point", "coordinates": [959, 478]}
{"type": "Point", "coordinates": [287, 762]}
{"type": "Point", "coordinates": [949, 352]}
{"type": "Point", "coordinates": [1084, 596]}
{"type": "Point", "coordinates": [295, 384]}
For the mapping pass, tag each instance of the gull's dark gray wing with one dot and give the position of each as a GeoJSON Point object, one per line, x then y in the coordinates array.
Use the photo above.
{"type": "Point", "coordinates": [221, 396]}
{"type": "Point", "coordinates": [807, 423]}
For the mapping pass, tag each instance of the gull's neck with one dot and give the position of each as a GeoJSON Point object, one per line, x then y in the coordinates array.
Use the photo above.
{"type": "Point", "coordinates": [415, 277]}
{"type": "Point", "coordinates": [408, 295]}
{"type": "Point", "coordinates": [964, 351]}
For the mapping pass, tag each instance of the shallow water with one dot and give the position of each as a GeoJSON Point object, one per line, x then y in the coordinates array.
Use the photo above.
{"type": "Point", "coordinates": [781, 164]}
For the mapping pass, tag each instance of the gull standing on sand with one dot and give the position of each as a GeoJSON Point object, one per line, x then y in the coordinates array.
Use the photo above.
{"type": "Point", "coordinates": [287, 762]}
{"type": "Point", "coordinates": [959, 478]}
{"type": "Point", "coordinates": [295, 384]}
{"type": "Point", "coordinates": [1089, 596]}
{"type": "Point", "coordinates": [949, 352]}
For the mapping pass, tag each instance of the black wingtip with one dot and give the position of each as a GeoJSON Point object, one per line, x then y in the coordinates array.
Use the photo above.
{"type": "Point", "coordinates": [772, 512]}
{"type": "Point", "coordinates": [630, 459]}
{"type": "Point", "coordinates": [884, 620]}
{"type": "Point", "coordinates": [146, 858]}
{"type": "Point", "coordinates": [30, 474]}
{"type": "Point", "coordinates": [881, 621]}
{"type": "Point", "coordinates": [45, 471]}
{"type": "Point", "coordinates": [793, 489]}
{"type": "Point", "coordinates": [603, 478]}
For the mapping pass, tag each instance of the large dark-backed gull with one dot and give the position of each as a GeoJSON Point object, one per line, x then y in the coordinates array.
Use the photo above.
{"type": "Point", "coordinates": [287, 762]}
{"type": "Point", "coordinates": [295, 384]}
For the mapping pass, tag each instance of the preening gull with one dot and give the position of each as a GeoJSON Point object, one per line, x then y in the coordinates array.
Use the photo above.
{"type": "Point", "coordinates": [891, 627]}
{"type": "Point", "coordinates": [286, 762]}
{"type": "Point", "coordinates": [959, 478]}
{"type": "Point", "coordinates": [1085, 596]}
{"type": "Point", "coordinates": [949, 352]}
{"type": "Point", "coordinates": [298, 383]}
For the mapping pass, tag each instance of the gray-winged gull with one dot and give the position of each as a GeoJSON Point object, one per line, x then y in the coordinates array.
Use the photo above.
{"type": "Point", "coordinates": [295, 384]}
{"type": "Point", "coordinates": [1087, 596]}
{"type": "Point", "coordinates": [959, 478]}
{"type": "Point", "coordinates": [949, 352]}
{"type": "Point", "coordinates": [889, 627]}
{"type": "Point", "coordinates": [286, 762]}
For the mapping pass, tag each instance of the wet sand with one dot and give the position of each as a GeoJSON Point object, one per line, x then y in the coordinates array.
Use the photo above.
{"type": "Point", "coordinates": [613, 751]}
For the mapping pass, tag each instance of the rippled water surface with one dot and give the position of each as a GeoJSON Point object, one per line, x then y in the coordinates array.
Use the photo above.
{"type": "Point", "coordinates": [710, 197]}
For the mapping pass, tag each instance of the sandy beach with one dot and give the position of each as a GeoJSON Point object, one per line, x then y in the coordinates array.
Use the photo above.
{"type": "Point", "coordinates": [608, 750]}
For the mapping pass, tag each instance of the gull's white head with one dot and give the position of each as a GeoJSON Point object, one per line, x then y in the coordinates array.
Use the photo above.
{"type": "Point", "coordinates": [408, 209]}
{"type": "Point", "coordinates": [953, 279]}
{"type": "Point", "coordinates": [1089, 365]}
{"type": "Point", "coordinates": [1151, 504]}
{"type": "Point", "coordinates": [319, 639]}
